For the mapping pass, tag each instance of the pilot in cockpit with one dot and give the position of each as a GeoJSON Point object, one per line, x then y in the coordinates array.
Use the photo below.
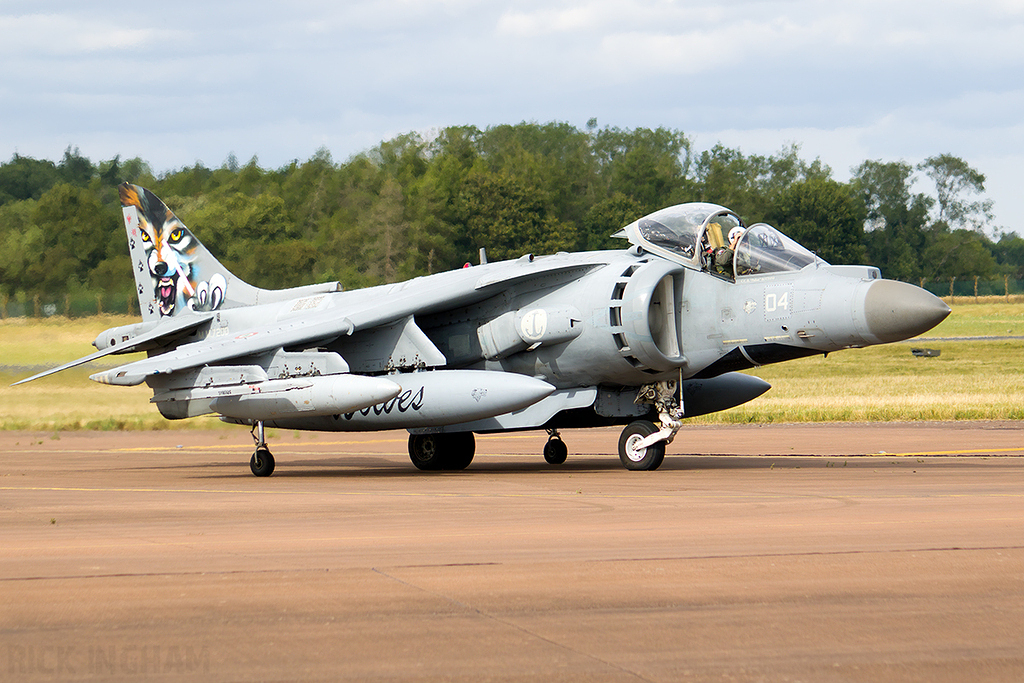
{"type": "Point", "coordinates": [723, 256]}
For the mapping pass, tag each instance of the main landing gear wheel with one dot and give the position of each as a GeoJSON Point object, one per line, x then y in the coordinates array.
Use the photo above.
{"type": "Point", "coordinates": [262, 462]}
{"type": "Point", "coordinates": [451, 451]}
{"type": "Point", "coordinates": [555, 450]}
{"type": "Point", "coordinates": [638, 458]}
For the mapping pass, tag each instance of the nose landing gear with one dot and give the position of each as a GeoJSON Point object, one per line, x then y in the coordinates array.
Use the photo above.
{"type": "Point", "coordinates": [642, 443]}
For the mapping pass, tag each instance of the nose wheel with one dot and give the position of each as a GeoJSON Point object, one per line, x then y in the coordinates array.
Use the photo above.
{"type": "Point", "coordinates": [262, 462]}
{"type": "Point", "coordinates": [632, 451]}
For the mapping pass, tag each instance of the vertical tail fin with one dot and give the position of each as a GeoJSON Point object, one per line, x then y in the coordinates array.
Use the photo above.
{"type": "Point", "coordinates": [174, 272]}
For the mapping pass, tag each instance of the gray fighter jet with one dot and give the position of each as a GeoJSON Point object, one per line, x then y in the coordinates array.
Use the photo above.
{"type": "Point", "coordinates": [641, 337]}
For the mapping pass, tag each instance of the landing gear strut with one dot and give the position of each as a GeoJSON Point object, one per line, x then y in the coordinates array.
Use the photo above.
{"type": "Point", "coordinates": [444, 451]}
{"type": "Point", "coordinates": [642, 443]}
{"type": "Point", "coordinates": [555, 451]}
{"type": "Point", "coordinates": [262, 462]}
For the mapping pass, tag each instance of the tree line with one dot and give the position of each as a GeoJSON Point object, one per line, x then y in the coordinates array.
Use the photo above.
{"type": "Point", "coordinates": [419, 204]}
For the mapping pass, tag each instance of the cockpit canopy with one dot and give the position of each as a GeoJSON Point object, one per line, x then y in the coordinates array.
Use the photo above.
{"type": "Point", "coordinates": [693, 234]}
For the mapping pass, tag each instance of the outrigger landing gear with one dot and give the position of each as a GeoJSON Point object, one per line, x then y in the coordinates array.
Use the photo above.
{"type": "Point", "coordinates": [262, 462]}
{"type": "Point", "coordinates": [555, 451]}
{"type": "Point", "coordinates": [642, 444]}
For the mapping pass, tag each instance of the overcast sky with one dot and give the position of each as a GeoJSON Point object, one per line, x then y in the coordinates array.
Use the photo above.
{"type": "Point", "coordinates": [186, 81]}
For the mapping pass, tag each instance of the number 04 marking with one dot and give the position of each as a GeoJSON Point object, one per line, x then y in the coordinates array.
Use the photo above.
{"type": "Point", "coordinates": [773, 302]}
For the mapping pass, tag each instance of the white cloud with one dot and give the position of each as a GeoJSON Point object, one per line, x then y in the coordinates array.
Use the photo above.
{"type": "Point", "coordinates": [65, 35]}
{"type": "Point", "coordinates": [547, 21]}
{"type": "Point", "coordinates": [198, 79]}
{"type": "Point", "coordinates": [652, 54]}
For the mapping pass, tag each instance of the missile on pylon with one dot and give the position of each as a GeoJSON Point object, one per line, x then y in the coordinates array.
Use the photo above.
{"type": "Point", "coordinates": [307, 396]}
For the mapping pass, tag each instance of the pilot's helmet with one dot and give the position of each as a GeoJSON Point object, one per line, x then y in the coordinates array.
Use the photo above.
{"type": "Point", "coordinates": [735, 233]}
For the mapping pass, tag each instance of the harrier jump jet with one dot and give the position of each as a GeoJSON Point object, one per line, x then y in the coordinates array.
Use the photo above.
{"type": "Point", "coordinates": [643, 337]}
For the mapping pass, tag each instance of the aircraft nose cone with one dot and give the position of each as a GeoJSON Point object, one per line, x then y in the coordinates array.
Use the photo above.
{"type": "Point", "coordinates": [897, 310]}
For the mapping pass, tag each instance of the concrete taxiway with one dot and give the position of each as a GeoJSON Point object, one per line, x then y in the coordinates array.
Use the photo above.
{"type": "Point", "coordinates": [887, 552]}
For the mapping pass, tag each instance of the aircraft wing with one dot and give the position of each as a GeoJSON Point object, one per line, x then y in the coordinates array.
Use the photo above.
{"type": "Point", "coordinates": [174, 327]}
{"type": "Point", "coordinates": [367, 309]}
{"type": "Point", "coordinates": [318, 326]}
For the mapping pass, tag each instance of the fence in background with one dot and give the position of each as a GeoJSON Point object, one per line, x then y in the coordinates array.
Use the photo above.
{"type": "Point", "coordinates": [69, 305]}
{"type": "Point", "coordinates": [975, 288]}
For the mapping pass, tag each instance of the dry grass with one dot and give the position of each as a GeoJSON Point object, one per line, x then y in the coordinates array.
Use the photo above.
{"type": "Point", "coordinates": [71, 401]}
{"type": "Point", "coordinates": [970, 380]}
{"type": "Point", "coordinates": [68, 400]}
{"type": "Point", "coordinates": [989, 318]}
{"type": "Point", "coordinates": [29, 342]}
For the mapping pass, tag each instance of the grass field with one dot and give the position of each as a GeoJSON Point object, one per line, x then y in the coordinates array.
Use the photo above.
{"type": "Point", "coordinates": [69, 400]}
{"type": "Point", "coordinates": [980, 379]}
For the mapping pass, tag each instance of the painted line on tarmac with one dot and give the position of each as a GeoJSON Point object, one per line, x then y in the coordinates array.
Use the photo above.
{"type": "Point", "coordinates": [385, 493]}
{"type": "Point", "coordinates": [975, 451]}
{"type": "Point", "coordinates": [242, 447]}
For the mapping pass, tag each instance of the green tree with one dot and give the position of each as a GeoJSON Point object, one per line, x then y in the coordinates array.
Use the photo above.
{"type": "Point", "coordinates": [416, 204]}
{"type": "Point", "coordinates": [190, 181]}
{"type": "Point", "coordinates": [607, 217]}
{"type": "Point", "coordinates": [26, 178]}
{"type": "Point", "coordinates": [243, 231]}
{"type": "Point", "coordinates": [453, 154]}
{"type": "Point", "coordinates": [650, 166]}
{"type": "Point", "coordinates": [387, 233]}
{"type": "Point", "coordinates": [1009, 253]}
{"type": "Point", "coordinates": [824, 216]}
{"type": "Point", "coordinates": [21, 248]}
{"type": "Point", "coordinates": [751, 185]}
{"type": "Point", "coordinates": [76, 169]}
{"type": "Point", "coordinates": [438, 211]}
{"type": "Point", "coordinates": [895, 217]}
{"type": "Point", "coordinates": [957, 253]}
{"type": "Point", "coordinates": [402, 158]}
{"type": "Point", "coordinates": [500, 214]}
{"type": "Point", "coordinates": [954, 179]}
{"type": "Point", "coordinates": [78, 232]}
{"type": "Point", "coordinates": [250, 179]}
{"type": "Point", "coordinates": [553, 160]}
{"type": "Point", "coordinates": [313, 191]}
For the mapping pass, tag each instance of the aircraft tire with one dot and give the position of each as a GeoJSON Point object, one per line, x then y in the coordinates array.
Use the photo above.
{"type": "Point", "coordinates": [432, 452]}
{"type": "Point", "coordinates": [649, 458]}
{"type": "Point", "coordinates": [425, 451]}
{"type": "Point", "coordinates": [459, 449]}
{"type": "Point", "coordinates": [555, 452]}
{"type": "Point", "coordinates": [262, 462]}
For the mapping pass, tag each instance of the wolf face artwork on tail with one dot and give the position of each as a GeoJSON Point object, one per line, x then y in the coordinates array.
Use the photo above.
{"type": "Point", "coordinates": [161, 245]}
